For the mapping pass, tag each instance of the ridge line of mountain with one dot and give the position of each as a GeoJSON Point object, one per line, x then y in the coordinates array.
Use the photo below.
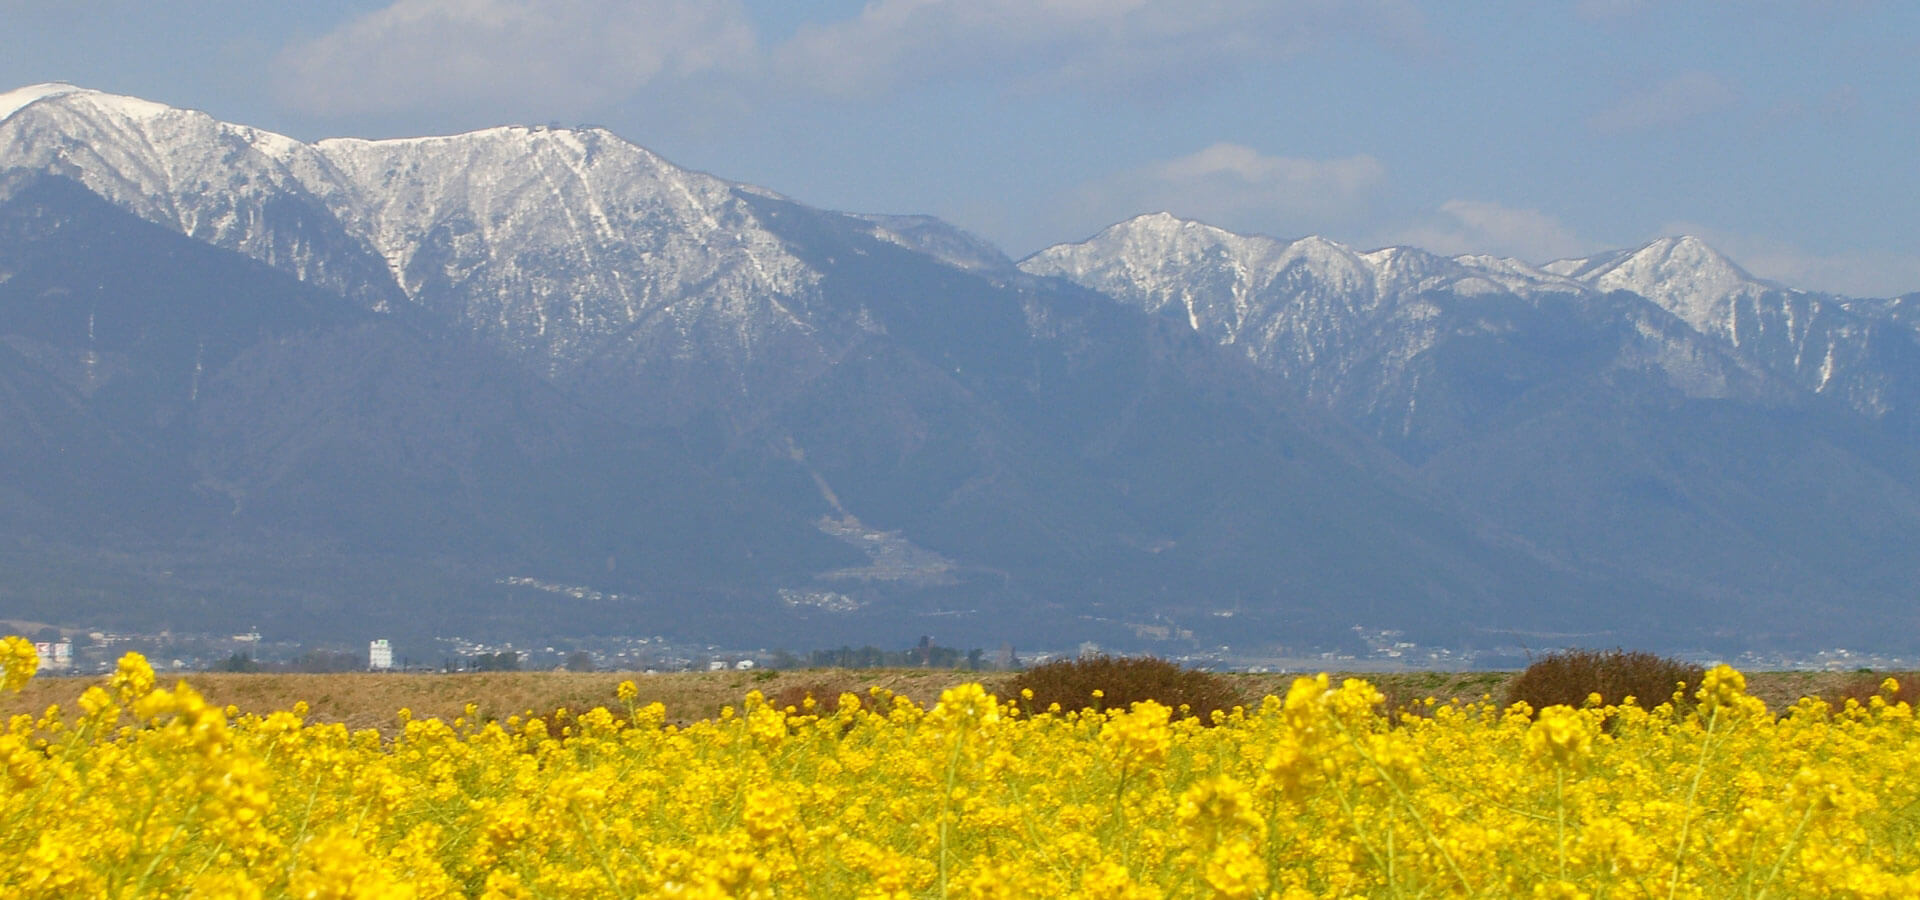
{"type": "Point", "coordinates": [1586, 269]}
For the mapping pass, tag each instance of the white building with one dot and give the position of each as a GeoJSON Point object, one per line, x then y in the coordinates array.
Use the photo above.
{"type": "Point", "coordinates": [55, 656]}
{"type": "Point", "coordinates": [380, 655]}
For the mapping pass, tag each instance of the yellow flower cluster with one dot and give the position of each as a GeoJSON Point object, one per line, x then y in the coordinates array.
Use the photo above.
{"type": "Point", "coordinates": [149, 791]}
{"type": "Point", "coordinates": [18, 662]}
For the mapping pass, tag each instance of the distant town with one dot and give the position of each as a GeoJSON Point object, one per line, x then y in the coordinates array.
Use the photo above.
{"type": "Point", "coordinates": [72, 652]}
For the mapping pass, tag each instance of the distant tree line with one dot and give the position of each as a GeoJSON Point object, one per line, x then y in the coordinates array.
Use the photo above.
{"type": "Point", "coordinates": [504, 661]}
{"type": "Point", "coordinates": [926, 655]}
{"type": "Point", "coordinates": [317, 661]}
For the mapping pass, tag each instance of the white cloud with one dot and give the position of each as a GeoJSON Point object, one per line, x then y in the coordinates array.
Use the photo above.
{"type": "Point", "coordinates": [1679, 99]}
{"type": "Point", "coordinates": [1239, 188]}
{"type": "Point", "coordinates": [1856, 273]}
{"type": "Point", "coordinates": [1480, 226]}
{"type": "Point", "coordinates": [1112, 44]}
{"type": "Point", "coordinates": [516, 58]}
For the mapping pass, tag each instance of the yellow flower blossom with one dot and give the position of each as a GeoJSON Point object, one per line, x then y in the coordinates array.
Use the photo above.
{"type": "Point", "coordinates": [1317, 793]}
{"type": "Point", "coordinates": [1561, 736]}
{"type": "Point", "coordinates": [18, 661]}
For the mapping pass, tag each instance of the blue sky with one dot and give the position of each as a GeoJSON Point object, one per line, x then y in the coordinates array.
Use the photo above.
{"type": "Point", "coordinates": [1782, 132]}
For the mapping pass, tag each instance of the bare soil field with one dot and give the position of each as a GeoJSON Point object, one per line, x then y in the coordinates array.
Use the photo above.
{"type": "Point", "coordinates": [372, 700]}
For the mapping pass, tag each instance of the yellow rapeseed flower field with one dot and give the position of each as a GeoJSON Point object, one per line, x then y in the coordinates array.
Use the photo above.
{"type": "Point", "coordinates": [150, 791]}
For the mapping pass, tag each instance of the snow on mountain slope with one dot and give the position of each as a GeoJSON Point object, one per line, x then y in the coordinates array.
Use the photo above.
{"type": "Point", "coordinates": [575, 249]}
{"type": "Point", "coordinates": [1216, 280]}
{"type": "Point", "coordinates": [1350, 328]}
{"type": "Point", "coordinates": [12, 101]}
{"type": "Point", "coordinates": [1375, 335]}
{"type": "Point", "coordinates": [1855, 351]}
{"type": "Point", "coordinates": [1682, 274]}
{"type": "Point", "coordinates": [953, 246]}
{"type": "Point", "coordinates": [244, 189]}
{"type": "Point", "coordinates": [1286, 303]}
{"type": "Point", "coordinates": [1228, 283]}
{"type": "Point", "coordinates": [558, 243]}
{"type": "Point", "coordinates": [564, 247]}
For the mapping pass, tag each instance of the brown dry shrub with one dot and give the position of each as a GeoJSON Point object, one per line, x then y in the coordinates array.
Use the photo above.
{"type": "Point", "coordinates": [1867, 686]}
{"type": "Point", "coordinates": [1124, 681]}
{"type": "Point", "coordinates": [1568, 676]}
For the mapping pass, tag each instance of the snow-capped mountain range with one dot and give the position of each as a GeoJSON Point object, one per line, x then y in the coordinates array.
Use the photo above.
{"type": "Point", "coordinates": [568, 245]}
{"type": "Point", "coordinates": [554, 243]}
{"type": "Point", "coordinates": [562, 349]}
{"type": "Point", "coordinates": [1301, 307]}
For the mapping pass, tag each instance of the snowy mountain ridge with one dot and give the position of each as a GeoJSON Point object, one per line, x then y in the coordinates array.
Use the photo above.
{"type": "Point", "coordinates": [573, 249]}
{"type": "Point", "coordinates": [239, 188]}
{"type": "Point", "coordinates": [1682, 273]}
{"type": "Point", "coordinates": [1314, 310]}
{"type": "Point", "coordinates": [566, 244]}
{"type": "Point", "coordinates": [557, 242]}
{"type": "Point", "coordinates": [554, 243]}
{"type": "Point", "coordinates": [580, 253]}
{"type": "Point", "coordinates": [1352, 329]}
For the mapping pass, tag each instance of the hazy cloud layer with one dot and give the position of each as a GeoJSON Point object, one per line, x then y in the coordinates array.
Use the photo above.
{"type": "Point", "coordinates": [1677, 100]}
{"type": "Point", "coordinates": [524, 60]}
{"type": "Point", "coordinates": [1096, 44]}
{"type": "Point", "coordinates": [1239, 188]}
{"type": "Point", "coordinates": [1480, 226]}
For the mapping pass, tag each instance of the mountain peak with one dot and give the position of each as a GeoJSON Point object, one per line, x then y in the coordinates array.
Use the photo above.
{"type": "Point", "coordinates": [575, 149]}
{"type": "Point", "coordinates": [1681, 273]}
{"type": "Point", "coordinates": [1317, 247]}
{"type": "Point", "coordinates": [1156, 223]}
{"type": "Point", "coordinates": [514, 133]}
{"type": "Point", "coordinates": [1161, 218]}
{"type": "Point", "coordinates": [134, 107]}
{"type": "Point", "coordinates": [12, 101]}
{"type": "Point", "coordinates": [1686, 249]}
{"type": "Point", "coordinates": [1166, 226]}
